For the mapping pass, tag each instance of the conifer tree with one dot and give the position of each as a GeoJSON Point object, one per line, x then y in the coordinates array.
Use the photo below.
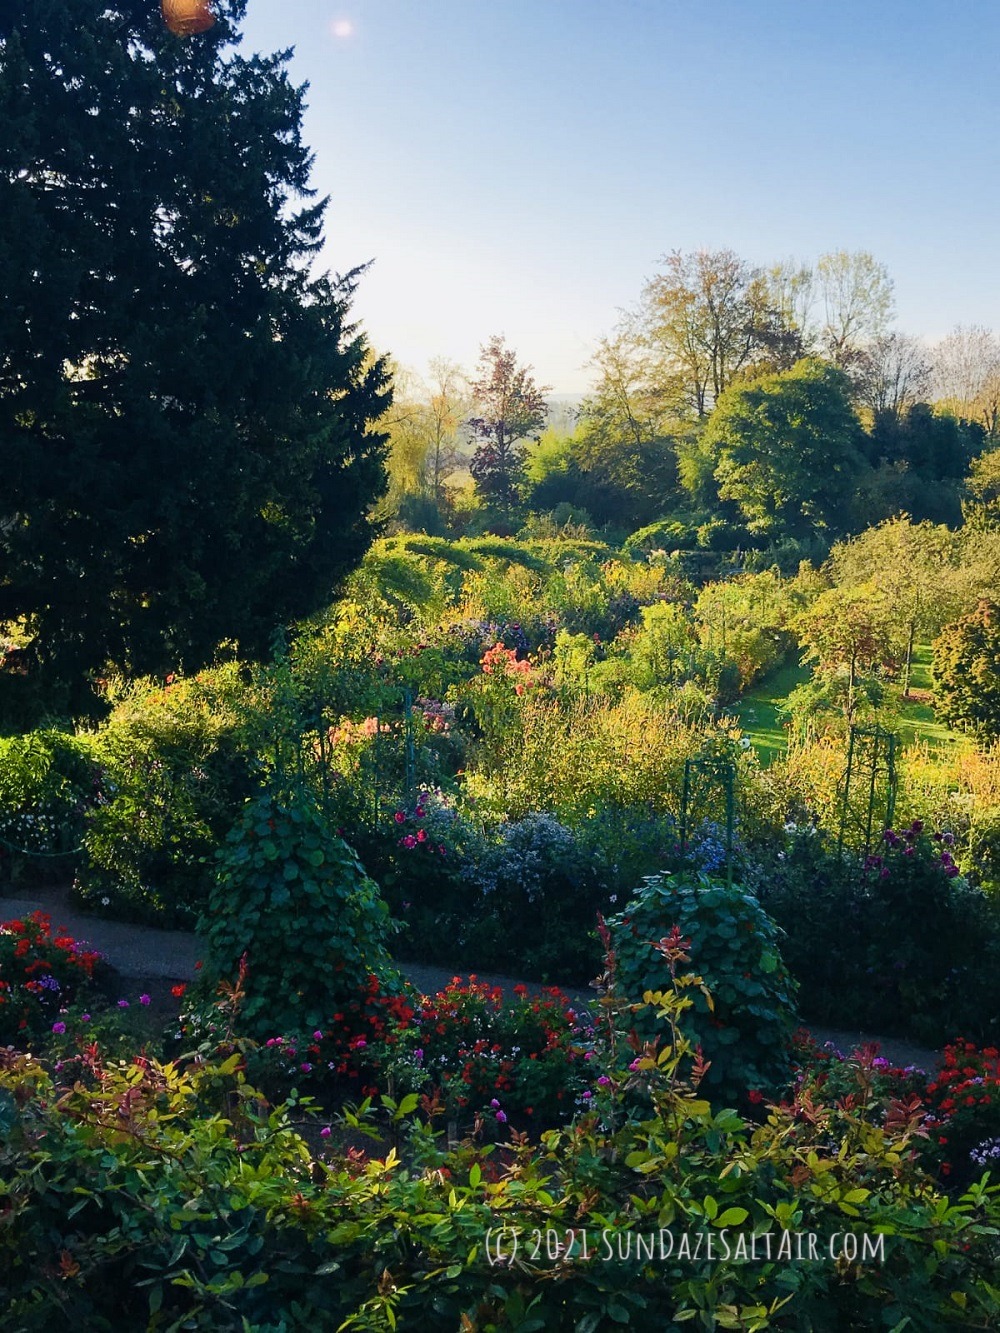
{"type": "Point", "coordinates": [186, 412]}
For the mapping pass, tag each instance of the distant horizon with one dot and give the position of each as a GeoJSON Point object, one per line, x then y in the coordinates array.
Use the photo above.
{"type": "Point", "coordinates": [521, 169]}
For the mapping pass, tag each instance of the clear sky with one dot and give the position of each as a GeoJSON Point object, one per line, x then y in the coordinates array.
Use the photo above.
{"type": "Point", "coordinates": [520, 166]}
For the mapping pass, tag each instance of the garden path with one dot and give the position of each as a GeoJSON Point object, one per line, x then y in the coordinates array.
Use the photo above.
{"type": "Point", "coordinates": [152, 960]}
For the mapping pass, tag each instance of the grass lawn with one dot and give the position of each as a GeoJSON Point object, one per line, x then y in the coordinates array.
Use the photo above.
{"type": "Point", "coordinates": [758, 713]}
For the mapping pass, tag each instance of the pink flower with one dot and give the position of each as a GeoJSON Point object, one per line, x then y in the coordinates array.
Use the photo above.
{"type": "Point", "coordinates": [604, 1081]}
{"type": "Point", "coordinates": [422, 835]}
{"type": "Point", "coordinates": [317, 1035]}
{"type": "Point", "coordinates": [399, 817]}
{"type": "Point", "coordinates": [325, 1132]}
{"type": "Point", "coordinates": [410, 840]}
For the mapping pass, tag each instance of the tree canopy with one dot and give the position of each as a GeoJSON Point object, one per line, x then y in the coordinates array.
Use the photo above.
{"type": "Point", "coordinates": [786, 449]}
{"type": "Point", "coordinates": [185, 409]}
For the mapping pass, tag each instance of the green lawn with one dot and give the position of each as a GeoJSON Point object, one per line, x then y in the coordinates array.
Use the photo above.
{"type": "Point", "coordinates": [758, 712]}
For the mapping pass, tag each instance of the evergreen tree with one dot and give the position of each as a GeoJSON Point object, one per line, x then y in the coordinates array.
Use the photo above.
{"type": "Point", "coordinates": [185, 410]}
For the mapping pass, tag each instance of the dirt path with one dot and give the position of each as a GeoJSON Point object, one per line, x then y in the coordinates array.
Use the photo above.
{"type": "Point", "coordinates": [153, 960]}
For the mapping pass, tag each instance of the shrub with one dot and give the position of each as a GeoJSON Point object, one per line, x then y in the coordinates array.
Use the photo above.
{"type": "Point", "coordinates": [293, 898]}
{"type": "Point", "coordinates": [966, 672]}
{"type": "Point", "coordinates": [899, 937]}
{"type": "Point", "coordinates": [964, 1122]}
{"type": "Point", "coordinates": [179, 761]}
{"type": "Point", "coordinates": [40, 975]}
{"type": "Point", "coordinates": [49, 780]}
{"type": "Point", "coordinates": [734, 947]}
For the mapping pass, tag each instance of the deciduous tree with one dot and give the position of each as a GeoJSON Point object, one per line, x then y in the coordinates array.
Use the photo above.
{"type": "Point", "coordinates": [512, 407]}
{"type": "Point", "coordinates": [787, 450]}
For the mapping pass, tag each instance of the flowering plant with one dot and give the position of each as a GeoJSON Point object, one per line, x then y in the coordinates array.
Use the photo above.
{"type": "Point", "coordinates": [40, 974]}
{"type": "Point", "coordinates": [964, 1105]}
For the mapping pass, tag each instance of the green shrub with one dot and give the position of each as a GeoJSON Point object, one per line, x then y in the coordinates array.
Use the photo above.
{"type": "Point", "coordinates": [49, 780]}
{"type": "Point", "coordinates": [734, 947]}
{"type": "Point", "coordinates": [148, 1196]}
{"type": "Point", "coordinates": [180, 762]}
{"type": "Point", "coordinates": [896, 942]}
{"type": "Point", "coordinates": [293, 898]}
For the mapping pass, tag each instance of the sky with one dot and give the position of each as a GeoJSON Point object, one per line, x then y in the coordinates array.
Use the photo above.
{"type": "Point", "coordinates": [520, 167]}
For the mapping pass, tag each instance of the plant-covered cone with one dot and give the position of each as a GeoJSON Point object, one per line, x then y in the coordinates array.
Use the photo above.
{"type": "Point", "coordinates": [745, 1031]}
{"type": "Point", "coordinates": [293, 897]}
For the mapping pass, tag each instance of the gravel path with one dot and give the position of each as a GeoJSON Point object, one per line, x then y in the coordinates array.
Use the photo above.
{"type": "Point", "coordinates": [159, 958]}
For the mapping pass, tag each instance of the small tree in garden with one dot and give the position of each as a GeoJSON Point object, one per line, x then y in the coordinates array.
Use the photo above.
{"type": "Point", "coordinates": [294, 898]}
{"type": "Point", "coordinates": [849, 632]}
{"type": "Point", "coordinates": [512, 407]}
{"type": "Point", "coordinates": [967, 670]}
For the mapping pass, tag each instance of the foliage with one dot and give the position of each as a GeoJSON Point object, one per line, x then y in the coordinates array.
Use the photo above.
{"type": "Point", "coordinates": [510, 408]}
{"type": "Point", "coordinates": [195, 1203]}
{"type": "Point", "coordinates": [786, 450]}
{"type": "Point", "coordinates": [40, 975]}
{"type": "Point", "coordinates": [293, 899]}
{"type": "Point", "coordinates": [966, 670]}
{"type": "Point", "coordinates": [735, 947]}
{"type": "Point", "coordinates": [49, 780]}
{"type": "Point", "coordinates": [179, 760]}
{"type": "Point", "coordinates": [186, 409]}
{"type": "Point", "coordinates": [899, 937]}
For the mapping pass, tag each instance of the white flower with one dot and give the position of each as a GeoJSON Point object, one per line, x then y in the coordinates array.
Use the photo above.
{"type": "Point", "coordinates": [105, 902]}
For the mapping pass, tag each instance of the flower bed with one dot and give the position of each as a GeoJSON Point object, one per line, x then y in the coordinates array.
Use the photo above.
{"type": "Point", "coordinates": [40, 975]}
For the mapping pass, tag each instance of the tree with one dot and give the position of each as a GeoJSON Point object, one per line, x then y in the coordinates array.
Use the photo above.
{"type": "Point", "coordinates": [787, 450]}
{"type": "Point", "coordinates": [849, 632]}
{"type": "Point", "coordinates": [982, 507]}
{"type": "Point", "coordinates": [914, 566]}
{"type": "Point", "coordinates": [967, 375]}
{"type": "Point", "coordinates": [512, 407]}
{"type": "Point", "coordinates": [967, 670]}
{"type": "Point", "coordinates": [891, 374]}
{"type": "Point", "coordinates": [704, 316]}
{"type": "Point", "coordinates": [185, 410]}
{"type": "Point", "coordinates": [424, 430]}
{"type": "Point", "coordinates": [857, 296]}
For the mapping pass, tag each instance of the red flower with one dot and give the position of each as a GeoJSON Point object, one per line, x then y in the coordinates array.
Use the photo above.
{"type": "Point", "coordinates": [178, 990]}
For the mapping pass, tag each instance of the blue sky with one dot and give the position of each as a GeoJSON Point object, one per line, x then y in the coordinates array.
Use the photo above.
{"type": "Point", "coordinates": [520, 166]}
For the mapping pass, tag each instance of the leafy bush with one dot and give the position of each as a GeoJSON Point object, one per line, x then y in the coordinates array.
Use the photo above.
{"type": "Point", "coordinates": [49, 780]}
{"type": "Point", "coordinates": [293, 898]}
{"type": "Point", "coordinates": [180, 762]}
{"type": "Point", "coordinates": [40, 975]}
{"type": "Point", "coordinates": [186, 1216]}
{"type": "Point", "coordinates": [744, 1030]}
{"type": "Point", "coordinates": [899, 937]}
{"type": "Point", "coordinates": [966, 672]}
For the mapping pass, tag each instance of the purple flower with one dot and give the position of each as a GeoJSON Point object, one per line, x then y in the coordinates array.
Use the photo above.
{"type": "Point", "coordinates": [603, 1081]}
{"type": "Point", "coordinates": [317, 1035]}
{"type": "Point", "coordinates": [144, 999]}
{"type": "Point", "coordinates": [494, 1103]}
{"type": "Point", "coordinates": [306, 1067]}
{"type": "Point", "coordinates": [84, 1018]}
{"type": "Point", "coordinates": [587, 1095]}
{"type": "Point", "coordinates": [123, 1004]}
{"type": "Point", "coordinates": [325, 1132]}
{"type": "Point", "coordinates": [418, 1054]}
{"type": "Point", "coordinates": [501, 1116]}
{"type": "Point", "coordinates": [59, 1028]}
